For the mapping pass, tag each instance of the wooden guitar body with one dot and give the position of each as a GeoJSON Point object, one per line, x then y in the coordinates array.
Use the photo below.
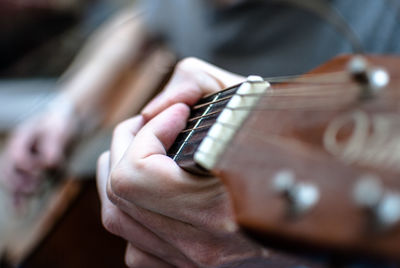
{"type": "Point", "coordinates": [317, 160]}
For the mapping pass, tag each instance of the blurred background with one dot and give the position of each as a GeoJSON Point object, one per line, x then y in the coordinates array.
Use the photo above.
{"type": "Point", "coordinates": [61, 227]}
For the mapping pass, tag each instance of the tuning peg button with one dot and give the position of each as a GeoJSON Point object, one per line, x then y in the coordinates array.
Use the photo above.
{"type": "Point", "coordinates": [302, 196]}
{"type": "Point", "coordinates": [371, 79]}
{"type": "Point", "coordinates": [382, 204]}
{"type": "Point", "coordinates": [388, 211]}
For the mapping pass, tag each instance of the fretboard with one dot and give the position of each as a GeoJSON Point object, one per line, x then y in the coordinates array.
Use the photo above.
{"type": "Point", "coordinates": [205, 114]}
{"type": "Point", "coordinates": [202, 116]}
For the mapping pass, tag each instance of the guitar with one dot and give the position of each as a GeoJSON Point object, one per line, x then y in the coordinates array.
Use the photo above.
{"type": "Point", "coordinates": [312, 160]}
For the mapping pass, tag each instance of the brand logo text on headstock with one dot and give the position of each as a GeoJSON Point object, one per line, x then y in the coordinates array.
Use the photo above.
{"type": "Point", "coordinates": [372, 140]}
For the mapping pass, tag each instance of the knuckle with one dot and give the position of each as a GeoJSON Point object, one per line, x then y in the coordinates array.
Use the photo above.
{"type": "Point", "coordinates": [203, 255]}
{"type": "Point", "coordinates": [141, 166]}
{"type": "Point", "coordinates": [119, 182]}
{"type": "Point", "coordinates": [205, 259]}
{"type": "Point", "coordinates": [132, 259]}
{"type": "Point", "coordinates": [118, 128]}
{"type": "Point", "coordinates": [102, 159]}
{"type": "Point", "coordinates": [186, 64]}
{"type": "Point", "coordinates": [110, 220]}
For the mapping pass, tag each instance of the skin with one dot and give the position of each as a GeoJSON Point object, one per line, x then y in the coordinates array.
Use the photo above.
{"type": "Point", "coordinates": [168, 216]}
{"type": "Point", "coordinates": [39, 145]}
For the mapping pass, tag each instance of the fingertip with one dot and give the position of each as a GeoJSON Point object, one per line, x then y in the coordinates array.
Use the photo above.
{"type": "Point", "coordinates": [151, 109]}
{"type": "Point", "coordinates": [103, 159]}
{"type": "Point", "coordinates": [102, 172]}
{"type": "Point", "coordinates": [160, 132]}
{"type": "Point", "coordinates": [172, 123]}
{"type": "Point", "coordinates": [182, 108]}
{"type": "Point", "coordinates": [131, 125]}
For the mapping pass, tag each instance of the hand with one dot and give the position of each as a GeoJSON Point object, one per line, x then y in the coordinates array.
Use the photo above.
{"type": "Point", "coordinates": [168, 216]}
{"type": "Point", "coordinates": [35, 148]}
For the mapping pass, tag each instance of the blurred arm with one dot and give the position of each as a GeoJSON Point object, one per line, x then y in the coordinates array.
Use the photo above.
{"type": "Point", "coordinates": [87, 86]}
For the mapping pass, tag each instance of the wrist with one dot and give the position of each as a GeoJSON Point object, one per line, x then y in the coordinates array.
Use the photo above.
{"type": "Point", "coordinates": [81, 122]}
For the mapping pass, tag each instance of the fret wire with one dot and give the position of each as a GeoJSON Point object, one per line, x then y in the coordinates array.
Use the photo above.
{"type": "Point", "coordinates": [213, 102]}
{"type": "Point", "coordinates": [209, 125]}
{"type": "Point", "coordinates": [203, 116]}
{"type": "Point", "coordinates": [191, 143]}
{"type": "Point", "coordinates": [198, 122]}
{"type": "Point", "coordinates": [196, 128]}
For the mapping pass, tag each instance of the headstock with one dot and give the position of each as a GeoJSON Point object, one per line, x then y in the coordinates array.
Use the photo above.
{"type": "Point", "coordinates": [316, 160]}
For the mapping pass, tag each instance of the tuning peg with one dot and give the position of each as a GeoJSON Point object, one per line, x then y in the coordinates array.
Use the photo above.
{"type": "Point", "coordinates": [372, 79]}
{"type": "Point", "coordinates": [302, 196]}
{"type": "Point", "coordinates": [382, 204]}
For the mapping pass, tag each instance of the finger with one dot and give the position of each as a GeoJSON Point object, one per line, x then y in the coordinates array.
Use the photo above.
{"type": "Point", "coordinates": [159, 134]}
{"type": "Point", "coordinates": [201, 247]}
{"type": "Point", "coordinates": [123, 135]}
{"type": "Point", "coordinates": [120, 224]}
{"type": "Point", "coordinates": [21, 169]}
{"type": "Point", "coordinates": [153, 181]}
{"type": "Point", "coordinates": [20, 148]}
{"type": "Point", "coordinates": [191, 80]}
{"type": "Point", "coordinates": [136, 258]}
{"type": "Point", "coordinates": [59, 129]}
{"type": "Point", "coordinates": [102, 172]}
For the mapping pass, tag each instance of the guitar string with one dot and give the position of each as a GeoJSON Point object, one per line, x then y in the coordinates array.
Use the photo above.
{"type": "Point", "coordinates": [290, 105]}
{"type": "Point", "coordinates": [313, 89]}
{"type": "Point", "coordinates": [299, 79]}
{"type": "Point", "coordinates": [273, 91]}
{"type": "Point", "coordinates": [287, 106]}
{"type": "Point", "coordinates": [197, 142]}
{"type": "Point", "coordinates": [249, 130]}
{"type": "Point", "coordinates": [213, 138]}
{"type": "Point", "coordinates": [277, 93]}
{"type": "Point", "coordinates": [308, 90]}
{"type": "Point", "coordinates": [306, 78]}
{"type": "Point", "coordinates": [322, 105]}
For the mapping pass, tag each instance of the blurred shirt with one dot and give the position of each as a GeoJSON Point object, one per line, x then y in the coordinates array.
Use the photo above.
{"type": "Point", "coordinates": [268, 38]}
